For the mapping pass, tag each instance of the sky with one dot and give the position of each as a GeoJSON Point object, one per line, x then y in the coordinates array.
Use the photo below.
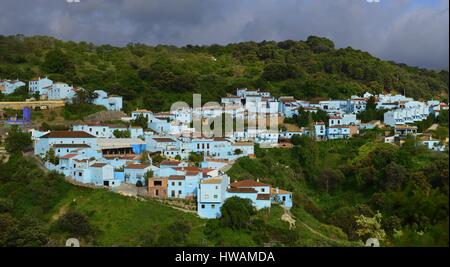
{"type": "Point", "coordinates": [415, 32]}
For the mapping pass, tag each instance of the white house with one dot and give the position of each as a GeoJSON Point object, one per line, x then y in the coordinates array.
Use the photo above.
{"type": "Point", "coordinates": [40, 85]}
{"type": "Point", "coordinates": [60, 90]}
{"type": "Point", "coordinates": [9, 86]}
{"type": "Point", "coordinates": [112, 102]}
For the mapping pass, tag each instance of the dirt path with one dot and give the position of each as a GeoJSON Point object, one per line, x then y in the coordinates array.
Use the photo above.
{"type": "Point", "coordinates": [288, 214]}
{"type": "Point", "coordinates": [433, 127]}
{"type": "Point", "coordinates": [60, 212]}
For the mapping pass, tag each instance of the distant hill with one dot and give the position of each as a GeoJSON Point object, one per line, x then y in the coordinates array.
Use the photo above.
{"type": "Point", "coordinates": [154, 77]}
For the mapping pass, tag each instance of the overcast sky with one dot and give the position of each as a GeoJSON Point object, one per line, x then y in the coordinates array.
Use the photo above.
{"type": "Point", "coordinates": [408, 31]}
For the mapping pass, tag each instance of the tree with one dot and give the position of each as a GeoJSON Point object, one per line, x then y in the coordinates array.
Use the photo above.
{"type": "Point", "coordinates": [237, 212]}
{"type": "Point", "coordinates": [17, 140]}
{"type": "Point", "coordinates": [57, 61]}
{"type": "Point", "coordinates": [196, 158]}
{"type": "Point", "coordinates": [141, 121]}
{"type": "Point", "coordinates": [51, 157]}
{"type": "Point", "coordinates": [238, 151]}
{"type": "Point", "coordinates": [148, 175]}
{"type": "Point", "coordinates": [280, 72]}
{"type": "Point", "coordinates": [370, 227]}
{"type": "Point", "coordinates": [121, 134]}
{"type": "Point", "coordinates": [145, 157]}
{"type": "Point", "coordinates": [75, 223]}
{"type": "Point", "coordinates": [328, 179]}
{"type": "Point", "coordinates": [175, 234]}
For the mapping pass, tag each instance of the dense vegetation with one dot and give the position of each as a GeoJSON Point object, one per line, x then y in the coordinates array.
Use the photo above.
{"type": "Point", "coordinates": [42, 209]}
{"type": "Point", "coordinates": [154, 77]}
{"type": "Point", "coordinates": [408, 185]}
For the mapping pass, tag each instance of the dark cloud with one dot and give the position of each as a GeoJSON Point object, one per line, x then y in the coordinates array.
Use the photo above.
{"type": "Point", "coordinates": [408, 31]}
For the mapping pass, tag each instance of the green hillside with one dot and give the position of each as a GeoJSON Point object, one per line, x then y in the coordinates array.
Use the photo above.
{"type": "Point", "coordinates": [336, 180]}
{"type": "Point", "coordinates": [37, 209]}
{"type": "Point", "coordinates": [154, 77]}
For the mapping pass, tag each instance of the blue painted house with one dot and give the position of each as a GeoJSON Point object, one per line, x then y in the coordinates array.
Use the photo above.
{"type": "Point", "coordinates": [45, 142]}
{"type": "Point", "coordinates": [211, 195]}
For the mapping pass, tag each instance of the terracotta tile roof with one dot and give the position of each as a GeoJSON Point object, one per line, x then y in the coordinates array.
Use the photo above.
{"type": "Point", "coordinates": [98, 165]}
{"type": "Point", "coordinates": [163, 139]}
{"type": "Point", "coordinates": [336, 117]}
{"type": "Point", "coordinates": [192, 173]}
{"type": "Point", "coordinates": [211, 181]}
{"type": "Point", "coordinates": [170, 162]}
{"type": "Point", "coordinates": [68, 156]}
{"type": "Point", "coordinates": [177, 177]}
{"type": "Point", "coordinates": [136, 166]}
{"type": "Point", "coordinates": [241, 190]}
{"type": "Point", "coordinates": [405, 127]}
{"type": "Point", "coordinates": [70, 145]}
{"type": "Point", "coordinates": [188, 168]}
{"type": "Point", "coordinates": [273, 191]}
{"type": "Point", "coordinates": [243, 144]}
{"type": "Point", "coordinates": [263, 197]}
{"type": "Point", "coordinates": [67, 134]}
{"type": "Point", "coordinates": [247, 183]}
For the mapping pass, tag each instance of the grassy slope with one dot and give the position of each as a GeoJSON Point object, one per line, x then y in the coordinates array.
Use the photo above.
{"type": "Point", "coordinates": [121, 220]}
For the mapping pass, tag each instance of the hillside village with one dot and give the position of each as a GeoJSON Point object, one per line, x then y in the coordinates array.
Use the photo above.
{"type": "Point", "coordinates": [110, 155]}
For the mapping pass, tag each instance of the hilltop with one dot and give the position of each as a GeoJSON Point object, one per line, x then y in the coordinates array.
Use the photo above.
{"type": "Point", "coordinates": [154, 77]}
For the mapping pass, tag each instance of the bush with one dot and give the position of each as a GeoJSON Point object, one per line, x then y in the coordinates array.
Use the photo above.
{"type": "Point", "coordinates": [75, 223]}
{"type": "Point", "coordinates": [237, 212]}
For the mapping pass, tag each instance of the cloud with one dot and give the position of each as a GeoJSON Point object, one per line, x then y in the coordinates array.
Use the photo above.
{"type": "Point", "coordinates": [408, 31]}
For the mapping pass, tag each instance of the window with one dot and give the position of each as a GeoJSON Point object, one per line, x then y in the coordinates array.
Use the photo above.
{"type": "Point", "coordinates": [74, 165]}
{"type": "Point", "coordinates": [179, 183]}
{"type": "Point", "coordinates": [215, 196]}
{"type": "Point", "coordinates": [203, 206]}
{"type": "Point", "coordinates": [80, 174]}
{"type": "Point", "coordinates": [172, 193]}
{"type": "Point", "coordinates": [173, 183]}
{"type": "Point", "coordinates": [213, 206]}
{"type": "Point", "coordinates": [263, 189]}
{"type": "Point", "coordinates": [179, 192]}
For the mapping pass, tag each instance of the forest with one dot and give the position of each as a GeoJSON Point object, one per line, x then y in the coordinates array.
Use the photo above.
{"type": "Point", "coordinates": [153, 77]}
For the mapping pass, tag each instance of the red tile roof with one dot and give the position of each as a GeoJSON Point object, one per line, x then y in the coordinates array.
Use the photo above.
{"type": "Point", "coordinates": [67, 134]}
{"type": "Point", "coordinates": [188, 168]}
{"type": "Point", "coordinates": [98, 165]}
{"type": "Point", "coordinates": [170, 162]}
{"type": "Point", "coordinates": [136, 166]}
{"type": "Point", "coordinates": [177, 177]}
{"type": "Point", "coordinates": [241, 190]}
{"type": "Point", "coordinates": [263, 197]}
{"type": "Point", "coordinates": [163, 139]}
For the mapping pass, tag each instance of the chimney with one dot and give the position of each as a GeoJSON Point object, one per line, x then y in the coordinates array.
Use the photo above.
{"type": "Point", "coordinates": [277, 190]}
{"type": "Point", "coordinates": [257, 179]}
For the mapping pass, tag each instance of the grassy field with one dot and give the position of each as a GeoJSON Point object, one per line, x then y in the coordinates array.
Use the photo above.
{"type": "Point", "coordinates": [120, 220]}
